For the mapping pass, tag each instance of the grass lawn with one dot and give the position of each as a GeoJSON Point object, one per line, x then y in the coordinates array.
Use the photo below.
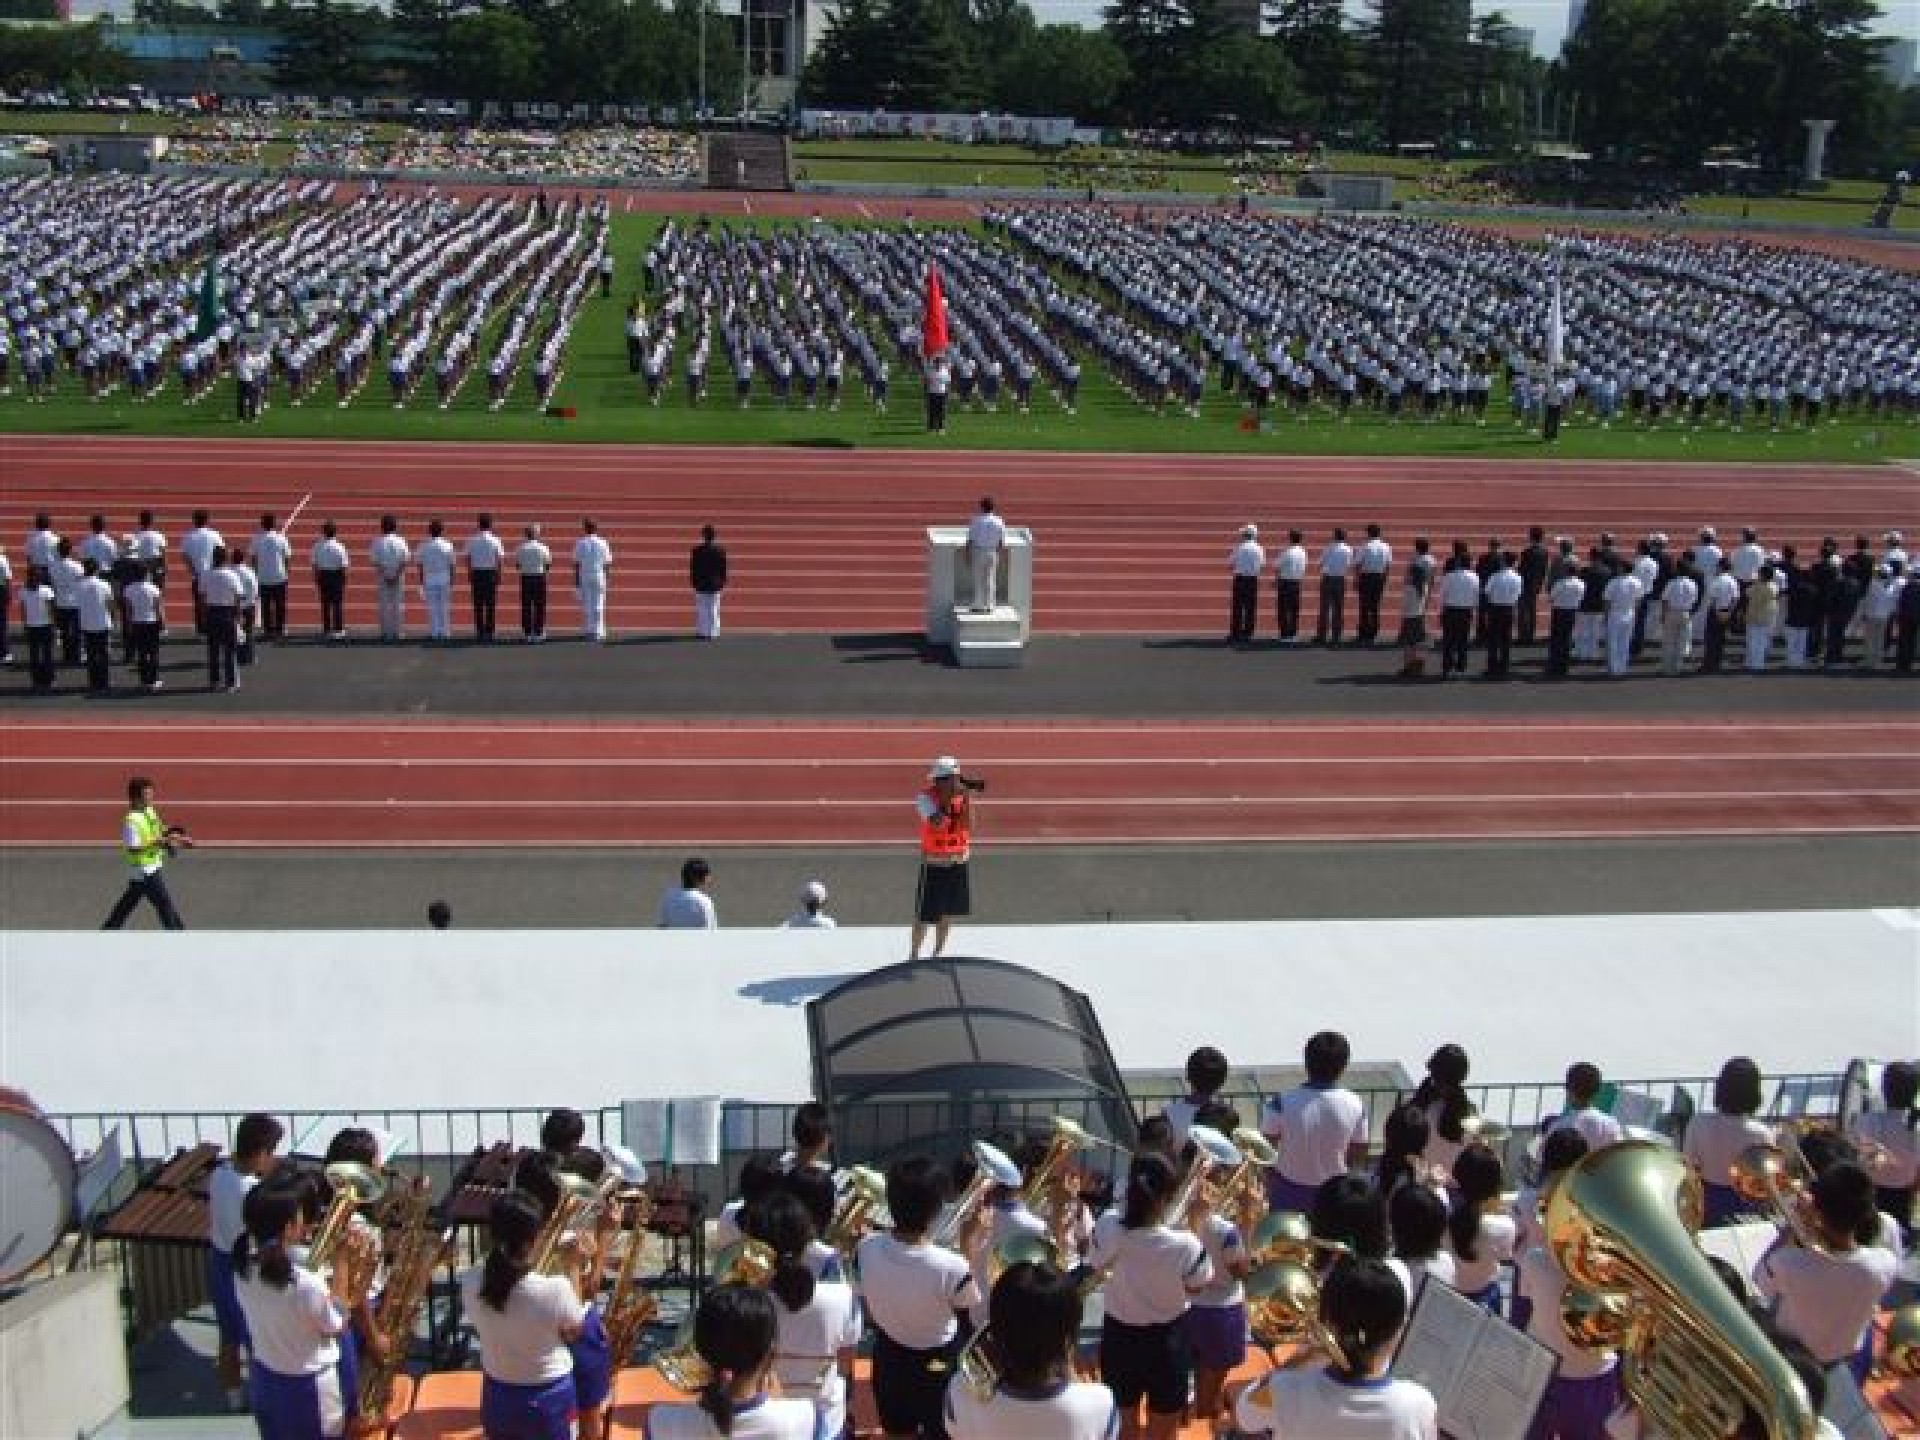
{"type": "Point", "coordinates": [1804, 210]}
{"type": "Point", "coordinates": [611, 407]}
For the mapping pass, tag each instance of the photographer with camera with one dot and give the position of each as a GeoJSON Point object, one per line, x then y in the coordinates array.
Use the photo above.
{"type": "Point", "coordinates": [946, 840]}
{"type": "Point", "coordinates": [148, 842]}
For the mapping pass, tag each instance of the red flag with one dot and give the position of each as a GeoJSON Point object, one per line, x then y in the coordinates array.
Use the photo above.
{"type": "Point", "coordinates": [933, 328]}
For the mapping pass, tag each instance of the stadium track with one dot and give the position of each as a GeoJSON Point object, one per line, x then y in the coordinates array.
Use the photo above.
{"type": "Point", "coordinates": [831, 541]}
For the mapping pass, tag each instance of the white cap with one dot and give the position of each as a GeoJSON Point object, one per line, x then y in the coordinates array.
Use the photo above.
{"type": "Point", "coordinates": [1249, 532]}
{"type": "Point", "coordinates": [813, 893]}
{"type": "Point", "coordinates": [945, 768]}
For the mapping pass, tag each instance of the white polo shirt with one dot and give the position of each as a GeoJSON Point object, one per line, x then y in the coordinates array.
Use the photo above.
{"type": "Point", "coordinates": [913, 1291]}
{"type": "Point", "coordinates": [1066, 1411]}
{"type": "Point", "coordinates": [197, 547]}
{"type": "Point", "coordinates": [142, 602]}
{"type": "Point", "coordinates": [1826, 1301]}
{"type": "Point", "coordinates": [1335, 560]}
{"type": "Point", "coordinates": [521, 1344]}
{"type": "Point", "coordinates": [592, 555]}
{"type": "Point", "coordinates": [1313, 1126]}
{"type": "Point", "coordinates": [1291, 563]}
{"type": "Point", "coordinates": [437, 559]}
{"type": "Point", "coordinates": [1154, 1269]}
{"type": "Point", "coordinates": [686, 908]}
{"type": "Point", "coordinates": [221, 588]}
{"type": "Point", "coordinates": [986, 532]}
{"type": "Point", "coordinates": [1567, 593]}
{"type": "Point", "coordinates": [810, 1341]}
{"type": "Point", "coordinates": [484, 551]}
{"type": "Point", "coordinates": [36, 606]}
{"type": "Point", "coordinates": [389, 555]}
{"type": "Point", "coordinates": [1622, 595]}
{"type": "Point", "coordinates": [329, 554]}
{"type": "Point", "coordinates": [1314, 1403]}
{"type": "Point", "coordinates": [1376, 557]}
{"type": "Point", "coordinates": [270, 555]}
{"type": "Point", "coordinates": [761, 1418]}
{"type": "Point", "coordinates": [1680, 596]}
{"type": "Point", "coordinates": [292, 1330]}
{"type": "Point", "coordinates": [226, 1193]}
{"type": "Point", "coordinates": [1459, 589]}
{"type": "Point", "coordinates": [94, 599]}
{"type": "Point", "coordinates": [533, 558]}
{"type": "Point", "coordinates": [1503, 587]}
{"type": "Point", "coordinates": [1492, 1247]}
{"type": "Point", "coordinates": [1714, 1141]}
{"type": "Point", "coordinates": [1249, 559]}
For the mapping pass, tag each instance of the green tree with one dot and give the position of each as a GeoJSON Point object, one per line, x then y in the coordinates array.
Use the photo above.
{"type": "Point", "coordinates": [1825, 66]}
{"type": "Point", "coordinates": [1240, 81]}
{"type": "Point", "coordinates": [850, 64]}
{"type": "Point", "coordinates": [425, 33]}
{"type": "Point", "coordinates": [327, 49]}
{"type": "Point", "coordinates": [1416, 53]}
{"type": "Point", "coordinates": [1155, 37]}
{"type": "Point", "coordinates": [44, 57]}
{"type": "Point", "coordinates": [934, 64]}
{"type": "Point", "coordinates": [494, 55]}
{"type": "Point", "coordinates": [1063, 70]}
{"type": "Point", "coordinates": [1314, 36]}
{"type": "Point", "coordinates": [29, 10]}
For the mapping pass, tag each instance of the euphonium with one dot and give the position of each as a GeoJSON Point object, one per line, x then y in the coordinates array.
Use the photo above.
{"type": "Point", "coordinates": [354, 1185]}
{"type": "Point", "coordinates": [994, 1168]}
{"type": "Point", "coordinates": [976, 1367]}
{"type": "Point", "coordinates": [415, 1249]}
{"type": "Point", "coordinates": [863, 1193]}
{"type": "Point", "coordinates": [1621, 1222]}
{"type": "Point", "coordinates": [1283, 1308]}
{"type": "Point", "coordinates": [1211, 1150]}
{"type": "Point", "coordinates": [747, 1262]}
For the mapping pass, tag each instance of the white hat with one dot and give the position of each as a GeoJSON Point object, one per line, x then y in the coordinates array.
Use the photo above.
{"type": "Point", "coordinates": [1249, 532]}
{"type": "Point", "coordinates": [945, 768]}
{"type": "Point", "coordinates": [813, 893]}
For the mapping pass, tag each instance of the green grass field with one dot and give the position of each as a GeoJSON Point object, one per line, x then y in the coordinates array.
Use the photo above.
{"type": "Point", "coordinates": [612, 407]}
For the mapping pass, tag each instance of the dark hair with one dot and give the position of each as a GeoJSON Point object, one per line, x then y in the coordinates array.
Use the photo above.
{"type": "Point", "coordinates": [759, 1176]}
{"type": "Point", "coordinates": [585, 1162]}
{"type": "Point", "coordinates": [439, 914]}
{"type": "Point", "coordinates": [1417, 1219]}
{"type": "Point", "coordinates": [706, 533]}
{"type": "Point", "coordinates": [1206, 1071]}
{"type": "Point", "coordinates": [329, 529]}
{"type": "Point", "coordinates": [515, 1221]}
{"type": "Point", "coordinates": [484, 520]}
{"type": "Point", "coordinates": [1562, 1150]}
{"type": "Point", "coordinates": [1150, 1184]}
{"type": "Point", "coordinates": [266, 520]}
{"type": "Point", "coordinates": [1583, 1080]}
{"type": "Point", "coordinates": [1156, 1135]}
{"type": "Point", "coordinates": [1737, 1089]}
{"type": "Point", "coordinates": [562, 1130]}
{"type": "Point", "coordinates": [435, 528]}
{"type": "Point", "coordinates": [388, 524]}
{"type": "Point", "coordinates": [200, 517]}
{"type": "Point", "coordinates": [1900, 1087]}
{"type": "Point", "coordinates": [536, 1175]}
{"type": "Point", "coordinates": [255, 1134]}
{"type": "Point", "coordinates": [353, 1143]}
{"type": "Point", "coordinates": [1327, 1054]}
{"type": "Point", "coordinates": [1364, 1305]}
{"type": "Point", "coordinates": [813, 1188]}
{"type": "Point", "coordinates": [694, 871]}
{"type": "Point", "coordinates": [915, 1192]}
{"type": "Point", "coordinates": [1445, 1085]}
{"type": "Point", "coordinates": [1034, 1314]}
{"type": "Point", "coordinates": [267, 1211]}
{"type": "Point", "coordinates": [812, 1127]}
{"type": "Point", "coordinates": [1844, 1197]}
{"type": "Point", "coordinates": [1477, 1178]}
{"type": "Point", "coordinates": [1824, 1147]}
{"type": "Point", "coordinates": [1405, 1138]}
{"type": "Point", "coordinates": [1219, 1115]}
{"type": "Point", "coordinates": [734, 1331]}
{"type": "Point", "coordinates": [1346, 1209]}
{"type": "Point", "coordinates": [784, 1224]}
{"type": "Point", "coordinates": [134, 786]}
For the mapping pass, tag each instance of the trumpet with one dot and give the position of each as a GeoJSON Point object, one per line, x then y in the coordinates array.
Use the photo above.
{"type": "Point", "coordinates": [1211, 1150]}
{"type": "Point", "coordinates": [995, 1168]}
{"type": "Point", "coordinates": [747, 1262]}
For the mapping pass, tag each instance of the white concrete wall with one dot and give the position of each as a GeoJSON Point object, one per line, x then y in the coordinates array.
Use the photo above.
{"type": "Point", "coordinates": [63, 1358]}
{"type": "Point", "coordinates": [312, 1020]}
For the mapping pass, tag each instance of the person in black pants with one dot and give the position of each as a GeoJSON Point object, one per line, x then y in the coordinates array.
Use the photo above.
{"type": "Point", "coordinates": [1534, 561]}
{"type": "Point", "coordinates": [147, 842]}
{"type": "Point", "coordinates": [1908, 616]}
{"type": "Point", "coordinates": [1335, 561]}
{"type": "Point", "coordinates": [1501, 594]}
{"type": "Point", "coordinates": [1248, 560]}
{"type": "Point", "coordinates": [221, 590]}
{"type": "Point", "coordinates": [1373, 561]}
{"type": "Point", "coordinates": [1459, 600]}
{"type": "Point", "coordinates": [1286, 586]}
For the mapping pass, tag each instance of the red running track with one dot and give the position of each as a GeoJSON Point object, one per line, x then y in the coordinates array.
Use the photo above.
{"type": "Point", "coordinates": [434, 784]}
{"type": "Point", "coordinates": [832, 540]}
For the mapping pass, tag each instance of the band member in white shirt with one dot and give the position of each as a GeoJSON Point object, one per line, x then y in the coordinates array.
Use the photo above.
{"type": "Point", "coordinates": [1893, 1138]}
{"type": "Point", "coordinates": [485, 556]}
{"type": "Point", "coordinates": [390, 555]}
{"type": "Point", "coordinates": [1459, 603]}
{"type": "Point", "coordinates": [524, 1323]}
{"type": "Point", "coordinates": [1715, 1137]}
{"type": "Point", "coordinates": [818, 1320]}
{"type": "Point", "coordinates": [142, 602]}
{"type": "Point", "coordinates": [1582, 1113]}
{"type": "Point", "coordinates": [302, 1382]}
{"type": "Point", "coordinates": [1246, 563]}
{"type": "Point", "coordinates": [735, 1331]}
{"type": "Point", "coordinates": [1374, 560]}
{"type": "Point", "coordinates": [255, 1139]}
{"type": "Point", "coordinates": [437, 562]}
{"type": "Point", "coordinates": [1480, 1233]}
{"type": "Point", "coordinates": [330, 565]}
{"type": "Point", "coordinates": [1034, 1319]}
{"type": "Point", "coordinates": [1826, 1296]}
{"type": "Point", "coordinates": [1320, 1127]}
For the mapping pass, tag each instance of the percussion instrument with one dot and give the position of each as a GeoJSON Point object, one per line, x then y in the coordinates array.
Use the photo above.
{"type": "Point", "coordinates": [37, 1183]}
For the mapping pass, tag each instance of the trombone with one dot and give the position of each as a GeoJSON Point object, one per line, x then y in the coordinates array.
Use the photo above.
{"type": "Point", "coordinates": [1774, 1178]}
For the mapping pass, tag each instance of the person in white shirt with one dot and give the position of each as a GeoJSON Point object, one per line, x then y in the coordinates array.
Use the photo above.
{"type": "Point", "coordinates": [1364, 1307]}
{"type": "Point", "coordinates": [1335, 561]}
{"type": "Point", "coordinates": [812, 914]}
{"type": "Point", "coordinates": [986, 537]}
{"type": "Point", "coordinates": [1585, 1388]}
{"type": "Point", "coordinates": [1715, 1138]}
{"type": "Point", "coordinates": [1480, 1234]}
{"type": "Point", "coordinates": [1891, 1138]}
{"type": "Point", "coordinates": [1319, 1127]}
{"type": "Point", "coordinates": [1877, 609]}
{"type": "Point", "coordinates": [1563, 602]}
{"type": "Point", "coordinates": [196, 548]}
{"type": "Point", "coordinates": [330, 565]}
{"type": "Point", "coordinates": [1417, 1221]}
{"type": "Point", "coordinates": [1246, 563]}
{"type": "Point", "coordinates": [1559, 1151]}
{"type": "Point", "coordinates": [141, 601]}
{"type": "Point", "coordinates": [533, 560]}
{"type": "Point", "coordinates": [43, 542]}
{"type": "Point", "coordinates": [485, 556]}
{"type": "Point", "coordinates": [37, 620]}
{"type": "Point", "coordinates": [1677, 602]}
{"type": "Point", "coordinates": [1722, 599]}
{"type": "Point", "coordinates": [437, 560]}
{"type": "Point", "coordinates": [98, 546]}
{"type": "Point", "coordinates": [272, 555]}
{"type": "Point", "coordinates": [592, 559]}
{"type": "Point", "coordinates": [255, 1139]}
{"type": "Point", "coordinates": [1459, 603]}
{"type": "Point", "coordinates": [1289, 574]}
{"type": "Point", "coordinates": [93, 600]}
{"type": "Point", "coordinates": [1500, 600]}
{"type": "Point", "coordinates": [1374, 560]}
{"type": "Point", "coordinates": [389, 555]}
{"type": "Point", "coordinates": [1622, 596]}
{"type": "Point", "coordinates": [221, 591]}
{"type": "Point", "coordinates": [1153, 1271]}
{"type": "Point", "coordinates": [688, 906]}
{"type": "Point", "coordinates": [1826, 1297]}
{"type": "Point", "coordinates": [1034, 1318]}
{"type": "Point", "coordinates": [524, 1323]}
{"type": "Point", "coordinates": [915, 1292]}
{"type": "Point", "coordinates": [66, 574]}
{"type": "Point", "coordinates": [249, 608]}
{"type": "Point", "coordinates": [1207, 1070]}
{"type": "Point", "coordinates": [1706, 557]}
{"type": "Point", "coordinates": [736, 1332]}
{"type": "Point", "coordinates": [150, 548]}
{"type": "Point", "coordinates": [1581, 1113]}
{"type": "Point", "coordinates": [819, 1320]}
{"type": "Point", "coordinates": [301, 1382]}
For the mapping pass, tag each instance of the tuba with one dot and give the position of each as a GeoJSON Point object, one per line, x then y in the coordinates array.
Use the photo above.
{"type": "Point", "coordinates": [746, 1262]}
{"type": "Point", "coordinates": [1621, 1223]}
{"type": "Point", "coordinates": [336, 1241]}
{"type": "Point", "coordinates": [1211, 1151]}
{"type": "Point", "coordinates": [1283, 1308]}
{"type": "Point", "coordinates": [416, 1249]}
{"type": "Point", "coordinates": [580, 1203]}
{"type": "Point", "coordinates": [994, 1168]}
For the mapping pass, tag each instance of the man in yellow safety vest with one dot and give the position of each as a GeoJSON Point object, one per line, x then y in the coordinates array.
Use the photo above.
{"type": "Point", "coordinates": [147, 841]}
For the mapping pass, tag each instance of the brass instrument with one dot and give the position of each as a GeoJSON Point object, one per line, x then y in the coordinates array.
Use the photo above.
{"type": "Point", "coordinates": [336, 1241]}
{"type": "Point", "coordinates": [1476, 1129]}
{"type": "Point", "coordinates": [580, 1202]}
{"type": "Point", "coordinates": [1242, 1192]}
{"type": "Point", "coordinates": [1901, 1358]}
{"type": "Point", "coordinates": [416, 1249]}
{"type": "Point", "coordinates": [630, 1307]}
{"type": "Point", "coordinates": [1211, 1150]}
{"type": "Point", "coordinates": [863, 1196]}
{"type": "Point", "coordinates": [975, 1366]}
{"type": "Point", "coordinates": [1283, 1308]}
{"type": "Point", "coordinates": [995, 1168]}
{"type": "Point", "coordinates": [1620, 1222]}
{"type": "Point", "coordinates": [747, 1262]}
{"type": "Point", "coordinates": [1773, 1178]}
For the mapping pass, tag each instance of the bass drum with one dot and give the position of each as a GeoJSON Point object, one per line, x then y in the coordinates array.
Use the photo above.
{"type": "Point", "coordinates": [37, 1177]}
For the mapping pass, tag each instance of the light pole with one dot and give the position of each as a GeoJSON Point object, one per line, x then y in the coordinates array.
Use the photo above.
{"type": "Point", "coordinates": [701, 117]}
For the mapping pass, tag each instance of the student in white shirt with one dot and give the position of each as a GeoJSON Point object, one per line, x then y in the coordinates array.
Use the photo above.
{"type": "Point", "coordinates": [1583, 1088]}
{"type": "Point", "coordinates": [1216, 1324]}
{"type": "Point", "coordinates": [524, 1323]}
{"type": "Point", "coordinates": [1319, 1127]}
{"type": "Point", "coordinates": [271, 556]}
{"type": "Point", "coordinates": [389, 555]}
{"type": "Point", "coordinates": [93, 598]}
{"type": "Point", "coordinates": [1442, 1096]}
{"type": "Point", "coordinates": [302, 1382]}
{"type": "Point", "coordinates": [1459, 603]}
{"type": "Point", "coordinates": [1153, 1271]}
{"type": "Point", "coordinates": [330, 579]}
{"type": "Point", "coordinates": [1417, 1220]}
{"type": "Point", "coordinates": [1894, 1157]}
{"type": "Point", "coordinates": [818, 1320]}
{"type": "Point", "coordinates": [1034, 1319]}
{"type": "Point", "coordinates": [1364, 1308]}
{"type": "Point", "coordinates": [220, 590]}
{"type": "Point", "coordinates": [141, 600]}
{"type": "Point", "coordinates": [1715, 1138]}
{"type": "Point", "coordinates": [533, 560]}
{"type": "Point", "coordinates": [485, 556]}
{"type": "Point", "coordinates": [592, 559]}
{"type": "Point", "coordinates": [986, 538]}
{"type": "Point", "coordinates": [736, 1331]}
{"type": "Point", "coordinates": [1289, 573]}
{"type": "Point", "coordinates": [1826, 1297]}
{"type": "Point", "coordinates": [688, 906]}
{"type": "Point", "coordinates": [437, 561]}
{"type": "Point", "coordinates": [255, 1139]}
{"type": "Point", "coordinates": [760, 1176]}
{"type": "Point", "coordinates": [1246, 562]}
{"type": "Point", "coordinates": [1335, 561]}
{"type": "Point", "coordinates": [915, 1293]}
{"type": "Point", "coordinates": [1207, 1071]}
{"type": "Point", "coordinates": [36, 619]}
{"type": "Point", "coordinates": [1559, 1151]}
{"type": "Point", "coordinates": [1585, 1389]}
{"type": "Point", "coordinates": [1479, 1233]}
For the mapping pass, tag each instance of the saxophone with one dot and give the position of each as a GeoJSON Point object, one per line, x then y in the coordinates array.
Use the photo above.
{"type": "Point", "coordinates": [630, 1308]}
{"type": "Point", "coordinates": [418, 1248]}
{"type": "Point", "coordinates": [1620, 1223]}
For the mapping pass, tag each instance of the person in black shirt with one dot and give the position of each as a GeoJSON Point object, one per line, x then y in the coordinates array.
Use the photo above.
{"type": "Point", "coordinates": [707, 573]}
{"type": "Point", "coordinates": [1534, 562]}
{"type": "Point", "coordinates": [1908, 615]}
{"type": "Point", "coordinates": [1843, 599]}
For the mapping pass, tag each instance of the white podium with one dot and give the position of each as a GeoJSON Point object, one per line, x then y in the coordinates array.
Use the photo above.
{"type": "Point", "coordinates": [991, 637]}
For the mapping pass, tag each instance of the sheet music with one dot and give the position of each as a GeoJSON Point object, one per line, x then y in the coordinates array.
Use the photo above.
{"type": "Point", "coordinates": [1486, 1377]}
{"type": "Point", "coordinates": [1741, 1246]}
{"type": "Point", "coordinates": [674, 1132]}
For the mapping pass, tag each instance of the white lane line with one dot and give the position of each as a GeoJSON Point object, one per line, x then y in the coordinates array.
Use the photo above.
{"type": "Point", "coordinates": [374, 759]}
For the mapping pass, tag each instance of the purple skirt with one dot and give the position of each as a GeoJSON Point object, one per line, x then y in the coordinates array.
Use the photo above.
{"type": "Point", "coordinates": [592, 1362]}
{"type": "Point", "coordinates": [1577, 1409]}
{"type": "Point", "coordinates": [527, 1412]}
{"type": "Point", "coordinates": [1217, 1335]}
{"type": "Point", "coordinates": [1285, 1194]}
{"type": "Point", "coordinates": [227, 1314]}
{"type": "Point", "coordinates": [1723, 1204]}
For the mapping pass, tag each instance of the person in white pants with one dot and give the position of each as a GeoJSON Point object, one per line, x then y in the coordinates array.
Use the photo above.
{"type": "Point", "coordinates": [1763, 616]}
{"type": "Point", "coordinates": [986, 536]}
{"type": "Point", "coordinates": [390, 554]}
{"type": "Point", "coordinates": [1676, 622]}
{"type": "Point", "coordinates": [437, 561]}
{"type": "Point", "coordinates": [1622, 595]}
{"type": "Point", "coordinates": [592, 559]}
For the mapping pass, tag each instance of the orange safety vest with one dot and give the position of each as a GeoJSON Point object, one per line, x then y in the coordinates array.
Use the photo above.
{"type": "Point", "coordinates": [949, 842]}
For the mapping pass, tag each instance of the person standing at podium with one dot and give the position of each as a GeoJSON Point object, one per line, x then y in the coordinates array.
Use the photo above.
{"type": "Point", "coordinates": [986, 538]}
